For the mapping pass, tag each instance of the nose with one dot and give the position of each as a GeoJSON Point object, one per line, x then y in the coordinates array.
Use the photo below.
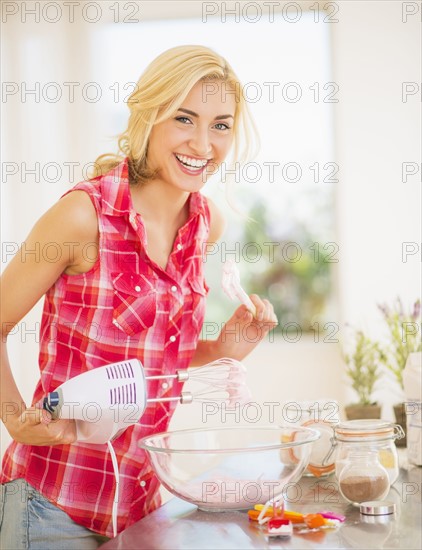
{"type": "Point", "coordinates": [200, 142]}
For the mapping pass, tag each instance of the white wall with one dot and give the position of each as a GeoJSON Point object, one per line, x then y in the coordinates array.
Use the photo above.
{"type": "Point", "coordinates": [374, 52]}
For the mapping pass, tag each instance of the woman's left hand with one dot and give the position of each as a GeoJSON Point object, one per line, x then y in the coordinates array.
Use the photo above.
{"type": "Point", "coordinates": [243, 331]}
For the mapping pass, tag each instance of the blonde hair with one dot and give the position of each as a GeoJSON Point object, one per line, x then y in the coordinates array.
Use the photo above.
{"type": "Point", "coordinates": [160, 91]}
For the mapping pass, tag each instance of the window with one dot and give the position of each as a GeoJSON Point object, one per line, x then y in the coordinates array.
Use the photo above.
{"type": "Point", "coordinates": [289, 252]}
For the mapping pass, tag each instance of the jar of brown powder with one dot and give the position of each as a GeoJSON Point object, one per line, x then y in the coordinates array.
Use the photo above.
{"type": "Point", "coordinates": [363, 478]}
{"type": "Point", "coordinates": [368, 435]}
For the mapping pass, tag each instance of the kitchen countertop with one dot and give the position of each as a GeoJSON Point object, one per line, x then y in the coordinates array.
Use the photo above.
{"type": "Point", "coordinates": [180, 525]}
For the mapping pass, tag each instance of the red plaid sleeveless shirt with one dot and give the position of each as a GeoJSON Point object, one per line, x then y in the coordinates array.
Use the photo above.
{"type": "Point", "coordinates": [125, 307]}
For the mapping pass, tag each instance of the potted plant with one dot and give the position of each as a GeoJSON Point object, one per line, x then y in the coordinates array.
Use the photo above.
{"type": "Point", "coordinates": [402, 338]}
{"type": "Point", "coordinates": [363, 370]}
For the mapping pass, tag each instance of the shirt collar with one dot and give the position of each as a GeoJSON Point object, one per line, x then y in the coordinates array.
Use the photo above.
{"type": "Point", "coordinates": [115, 194]}
{"type": "Point", "coordinates": [116, 199]}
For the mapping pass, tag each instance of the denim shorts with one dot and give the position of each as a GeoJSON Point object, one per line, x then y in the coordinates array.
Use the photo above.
{"type": "Point", "coordinates": [30, 521]}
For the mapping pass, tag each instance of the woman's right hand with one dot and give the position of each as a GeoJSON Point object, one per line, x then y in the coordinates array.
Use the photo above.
{"type": "Point", "coordinates": [34, 426]}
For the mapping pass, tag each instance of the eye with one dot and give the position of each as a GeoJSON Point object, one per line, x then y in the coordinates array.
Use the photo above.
{"type": "Point", "coordinates": [222, 126]}
{"type": "Point", "coordinates": [184, 119]}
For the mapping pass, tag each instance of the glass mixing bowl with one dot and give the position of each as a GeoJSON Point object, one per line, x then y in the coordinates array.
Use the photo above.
{"type": "Point", "coordinates": [230, 468]}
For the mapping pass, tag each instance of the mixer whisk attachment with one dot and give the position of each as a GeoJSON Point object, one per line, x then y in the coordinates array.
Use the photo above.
{"type": "Point", "coordinates": [223, 381]}
{"type": "Point", "coordinates": [231, 396]}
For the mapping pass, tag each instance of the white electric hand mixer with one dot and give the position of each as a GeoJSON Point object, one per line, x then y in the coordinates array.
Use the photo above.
{"type": "Point", "coordinates": [118, 394]}
{"type": "Point", "coordinates": [106, 400]}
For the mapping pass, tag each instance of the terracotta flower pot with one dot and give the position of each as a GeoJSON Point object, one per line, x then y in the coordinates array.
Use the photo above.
{"type": "Point", "coordinates": [357, 412]}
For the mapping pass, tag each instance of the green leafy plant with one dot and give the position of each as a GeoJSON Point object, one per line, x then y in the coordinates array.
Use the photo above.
{"type": "Point", "coordinates": [403, 336]}
{"type": "Point", "coordinates": [363, 367]}
{"type": "Point", "coordinates": [294, 271]}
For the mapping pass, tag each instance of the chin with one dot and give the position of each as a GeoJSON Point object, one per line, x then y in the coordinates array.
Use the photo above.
{"type": "Point", "coordinates": [188, 184]}
{"type": "Point", "coordinates": [192, 188]}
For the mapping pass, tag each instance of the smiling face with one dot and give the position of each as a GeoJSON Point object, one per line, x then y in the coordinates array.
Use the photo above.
{"type": "Point", "coordinates": [188, 147]}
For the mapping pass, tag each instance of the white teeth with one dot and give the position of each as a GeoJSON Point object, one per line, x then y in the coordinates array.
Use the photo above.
{"type": "Point", "coordinates": [195, 163]}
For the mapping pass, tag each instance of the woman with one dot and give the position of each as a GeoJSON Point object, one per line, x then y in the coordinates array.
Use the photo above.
{"type": "Point", "coordinates": [142, 294]}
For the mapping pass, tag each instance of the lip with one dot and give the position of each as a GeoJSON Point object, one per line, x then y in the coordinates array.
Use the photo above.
{"type": "Point", "coordinates": [186, 170]}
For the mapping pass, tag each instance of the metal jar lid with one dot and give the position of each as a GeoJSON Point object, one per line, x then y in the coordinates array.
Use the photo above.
{"type": "Point", "coordinates": [377, 507]}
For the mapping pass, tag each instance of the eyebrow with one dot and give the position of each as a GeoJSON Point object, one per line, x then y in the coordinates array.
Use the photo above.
{"type": "Point", "coordinates": [192, 113]}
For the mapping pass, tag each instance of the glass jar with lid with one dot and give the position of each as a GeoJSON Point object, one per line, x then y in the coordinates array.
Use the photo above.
{"type": "Point", "coordinates": [321, 415]}
{"type": "Point", "coordinates": [368, 435]}
{"type": "Point", "coordinates": [363, 478]}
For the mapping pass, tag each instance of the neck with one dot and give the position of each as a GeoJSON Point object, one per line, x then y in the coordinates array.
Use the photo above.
{"type": "Point", "coordinates": [158, 202]}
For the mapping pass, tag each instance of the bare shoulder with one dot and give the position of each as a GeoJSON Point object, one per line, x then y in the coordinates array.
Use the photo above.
{"type": "Point", "coordinates": [217, 222]}
{"type": "Point", "coordinates": [53, 246]}
{"type": "Point", "coordinates": [72, 224]}
{"type": "Point", "coordinates": [73, 215]}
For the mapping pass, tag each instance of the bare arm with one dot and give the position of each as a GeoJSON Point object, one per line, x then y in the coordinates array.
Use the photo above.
{"type": "Point", "coordinates": [69, 224]}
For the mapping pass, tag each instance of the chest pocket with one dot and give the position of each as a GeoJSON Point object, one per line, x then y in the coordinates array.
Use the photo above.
{"type": "Point", "coordinates": [199, 291]}
{"type": "Point", "coordinates": [134, 302]}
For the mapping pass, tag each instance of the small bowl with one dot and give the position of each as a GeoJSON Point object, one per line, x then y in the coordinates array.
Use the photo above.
{"type": "Point", "coordinates": [229, 468]}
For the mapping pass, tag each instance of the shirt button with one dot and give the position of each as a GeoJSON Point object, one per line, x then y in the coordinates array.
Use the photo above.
{"type": "Point", "coordinates": [174, 288]}
{"type": "Point", "coordinates": [164, 385]}
{"type": "Point", "coordinates": [137, 288]}
{"type": "Point", "coordinates": [179, 246]}
{"type": "Point", "coordinates": [142, 483]}
{"type": "Point", "coordinates": [172, 338]}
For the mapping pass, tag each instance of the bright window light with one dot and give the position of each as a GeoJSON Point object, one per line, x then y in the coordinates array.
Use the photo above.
{"type": "Point", "coordinates": [289, 187]}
